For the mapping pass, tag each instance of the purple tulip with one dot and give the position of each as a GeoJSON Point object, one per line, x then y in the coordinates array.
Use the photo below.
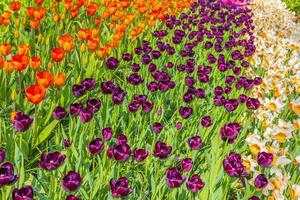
{"type": "Point", "coordinates": [51, 160]}
{"type": "Point", "coordinates": [261, 181]}
{"type": "Point", "coordinates": [22, 122]}
{"type": "Point", "coordinates": [147, 107]}
{"type": "Point", "coordinates": [75, 109]}
{"type": "Point", "coordinates": [161, 150]}
{"type": "Point", "coordinates": [7, 176]}
{"type": "Point", "coordinates": [59, 113]}
{"type": "Point", "coordinates": [264, 159]}
{"type": "Point", "coordinates": [185, 112]}
{"type": "Point", "coordinates": [186, 164]}
{"type": "Point", "coordinates": [229, 132]}
{"type": "Point", "coordinates": [89, 83]}
{"type": "Point", "coordinates": [96, 146]}
{"type": "Point", "coordinates": [135, 79]}
{"type": "Point", "coordinates": [107, 87]}
{"type": "Point", "coordinates": [231, 104]}
{"type": "Point", "coordinates": [252, 103]}
{"type": "Point", "coordinates": [119, 188]}
{"type": "Point", "coordinates": [86, 115]}
{"type": "Point", "coordinates": [242, 98]}
{"type": "Point", "coordinates": [24, 193]}
{"type": "Point", "coordinates": [135, 67]}
{"type": "Point", "coordinates": [126, 56]}
{"type": "Point", "coordinates": [107, 133]}
{"type": "Point", "coordinates": [219, 100]}
{"type": "Point", "coordinates": [140, 154]}
{"type": "Point", "coordinates": [194, 183]}
{"type": "Point", "coordinates": [78, 90]}
{"type": "Point", "coordinates": [233, 165]}
{"type": "Point", "coordinates": [71, 181]}
{"type": "Point", "coordinates": [119, 152]}
{"type": "Point", "coordinates": [121, 139]}
{"type": "Point", "coordinates": [118, 96]}
{"type": "Point", "coordinates": [206, 121]}
{"type": "Point", "coordinates": [178, 125]}
{"type": "Point", "coordinates": [112, 63]}
{"type": "Point", "coordinates": [2, 155]}
{"type": "Point", "coordinates": [93, 105]}
{"type": "Point", "coordinates": [157, 127]}
{"type": "Point", "coordinates": [67, 143]}
{"type": "Point", "coordinates": [133, 106]}
{"type": "Point", "coordinates": [257, 81]}
{"type": "Point", "coordinates": [145, 59]}
{"type": "Point", "coordinates": [72, 197]}
{"type": "Point", "coordinates": [173, 178]}
{"type": "Point", "coordinates": [195, 142]}
{"type": "Point", "coordinates": [155, 54]}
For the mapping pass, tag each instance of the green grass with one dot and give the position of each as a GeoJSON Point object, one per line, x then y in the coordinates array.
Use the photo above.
{"type": "Point", "coordinates": [293, 5]}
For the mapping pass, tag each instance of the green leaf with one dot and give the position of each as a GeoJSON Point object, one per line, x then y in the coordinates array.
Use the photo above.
{"type": "Point", "coordinates": [46, 132]}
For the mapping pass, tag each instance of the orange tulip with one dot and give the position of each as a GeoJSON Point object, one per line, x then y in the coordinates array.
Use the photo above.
{"type": "Point", "coordinates": [44, 78]}
{"type": "Point", "coordinates": [98, 21]}
{"type": "Point", "coordinates": [1, 62]}
{"type": "Point", "coordinates": [74, 13]}
{"type": "Point", "coordinates": [15, 6]}
{"type": "Point", "coordinates": [5, 49]}
{"type": "Point", "coordinates": [34, 24]}
{"type": "Point", "coordinates": [39, 2]}
{"type": "Point", "coordinates": [59, 80]}
{"type": "Point", "coordinates": [20, 62]}
{"type": "Point", "coordinates": [66, 42]}
{"type": "Point", "coordinates": [92, 8]}
{"type": "Point", "coordinates": [95, 32]}
{"type": "Point", "coordinates": [56, 17]}
{"type": "Point", "coordinates": [36, 13]}
{"type": "Point", "coordinates": [35, 63]}
{"type": "Point", "coordinates": [8, 66]}
{"type": "Point", "coordinates": [35, 94]}
{"type": "Point", "coordinates": [93, 44]}
{"type": "Point", "coordinates": [84, 34]}
{"type": "Point", "coordinates": [24, 49]}
{"type": "Point", "coordinates": [57, 54]}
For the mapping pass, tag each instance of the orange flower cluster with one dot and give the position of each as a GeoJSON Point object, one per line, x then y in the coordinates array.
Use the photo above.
{"type": "Point", "coordinates": [5, 18]}
{"type": "Point", "coordinates": [36, 93]}
{"type": "Point", "coordinates": [36, 15]}
{"type": "Point", "coordinates": [19, 61]}
{"type": "Point", "coordinates": [121, 14]}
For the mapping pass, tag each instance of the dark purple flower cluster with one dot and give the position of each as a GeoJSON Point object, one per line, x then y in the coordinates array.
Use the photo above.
{"type": "Point", "coordinates": [117, 93]}
{"type": "Point", "coordinates": [229, 132]}
{"type": "Point", "coordinates": [24, 193]}
{"type": "Point", "coordinates": [119, 188]}
{"type": "Point", "coordinates": [77, 109]}
{"type": "Point", "coordinates": [7, 176]}
{"type": "Point", "coordinates": [22, 122]}
{"type": "Point", "coordinates": [233, 165]}
{"type": "Point", "coordinates": [140, 101]}
{"type": "Point", "coordinates": [52, 160]}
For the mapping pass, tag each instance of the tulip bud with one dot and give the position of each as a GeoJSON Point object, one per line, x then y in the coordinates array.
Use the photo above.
{"type": "Point", "coordinates": [23, 20]}
{"type": "Point", "coordinates": [61, 26]}
{"type": "Point", "coordinates": [17, 22]}
{"type": "Point", "coordinates": [14, 95]}
{"type": "Point", "coordinates": [39, 37]}
{"type": "Point", "coordinates": [16, 34]}
{"type": "Point", "coordinates": [85, 60]}
{"type": "Point", "coordinates": [49, 65]}
{"type": "Point", "coordinates": [82, 48]}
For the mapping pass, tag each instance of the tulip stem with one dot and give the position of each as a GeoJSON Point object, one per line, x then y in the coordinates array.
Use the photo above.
{"type": "Point", "coordinates": [20, 83]}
